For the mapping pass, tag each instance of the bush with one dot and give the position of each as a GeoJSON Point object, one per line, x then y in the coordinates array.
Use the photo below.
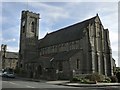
{"type": "Point", "coordinates": [75, 79]}
{"type": "Point", "coordinates": [107, 80]}
{"type": "Point", "coordinates": [113, 79]}
{"type": "Point", "coordinates": [80, 79]}
{"type": "Point", "coordinates": [85, 81]}
{"type": "Point", "coordinates": [95, 77]}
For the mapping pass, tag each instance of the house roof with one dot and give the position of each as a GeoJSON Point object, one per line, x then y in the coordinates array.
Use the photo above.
{"type": "Point", "coordinates": [70, 33]}
{"type": "Point", "coordinates": [11, 55]}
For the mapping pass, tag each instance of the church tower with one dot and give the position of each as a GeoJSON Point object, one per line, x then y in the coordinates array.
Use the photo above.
{"type": "Point", "coordinates": [28, 37]}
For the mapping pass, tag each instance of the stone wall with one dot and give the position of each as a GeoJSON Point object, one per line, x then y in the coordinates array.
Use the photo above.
{"type": "Point", "coordinates": [61, 47]}
{"type": "Point", "coordinates": [11, 63]}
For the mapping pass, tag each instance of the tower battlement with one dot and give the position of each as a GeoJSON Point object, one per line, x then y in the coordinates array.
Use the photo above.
{"type": "Point", "coordinates": [30, 13]}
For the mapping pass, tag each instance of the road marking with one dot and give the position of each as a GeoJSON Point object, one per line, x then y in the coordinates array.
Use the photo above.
{"type": "Point", "coordinates": [13, 83]}
{"type": "Point", "coordinates": [30, 87]}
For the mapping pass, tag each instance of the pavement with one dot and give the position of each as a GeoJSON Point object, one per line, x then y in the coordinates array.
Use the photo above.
{"type": "Point", "coordinates": [91, 85]}
{"type": "Point", "coordinates": [67, 83]}
{"type": "Point", "coordinates": [59, 82]}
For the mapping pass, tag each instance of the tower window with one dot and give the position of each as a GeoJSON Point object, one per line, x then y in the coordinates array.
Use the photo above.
{"type": "Point", "coordinates": [23, 26]}
{"type": "Point", "coordinates": [23, 29]}
{"type": "Point", "coordinates": [78, 63]}
{"type": "Point", "coordinates": [32, 27]}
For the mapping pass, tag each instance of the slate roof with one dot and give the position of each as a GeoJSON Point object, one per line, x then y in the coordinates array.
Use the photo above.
{"type": "Point", "coordinates": [70, 33]}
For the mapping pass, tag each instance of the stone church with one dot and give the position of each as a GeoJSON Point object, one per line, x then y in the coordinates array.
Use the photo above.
{"type": "Point", "coordinates": [82, 48]}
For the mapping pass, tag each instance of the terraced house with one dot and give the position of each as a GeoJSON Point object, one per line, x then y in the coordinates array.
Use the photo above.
{"type": "Point", "coordinates": [82, 48]}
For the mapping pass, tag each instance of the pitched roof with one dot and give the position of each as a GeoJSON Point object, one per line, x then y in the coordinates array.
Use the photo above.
{"type": "Point", "coordinates": [11, 55]}
{"type": "Point", "coordinates": [70, 33]}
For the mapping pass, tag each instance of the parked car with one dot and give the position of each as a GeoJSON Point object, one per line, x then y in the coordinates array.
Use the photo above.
{"type": "Point", "coordinates": [8, 74]}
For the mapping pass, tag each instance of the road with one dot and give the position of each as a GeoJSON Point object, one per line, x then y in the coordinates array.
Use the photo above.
{"type": "Point", "coordinates": [16, 83]}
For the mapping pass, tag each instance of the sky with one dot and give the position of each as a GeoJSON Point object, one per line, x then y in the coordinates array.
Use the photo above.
{"type": "Point", "coordinates": [57, 15]}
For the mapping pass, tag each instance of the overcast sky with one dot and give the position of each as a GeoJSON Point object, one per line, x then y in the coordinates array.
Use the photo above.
{"type": "Point", "coordinates": [57, 15]}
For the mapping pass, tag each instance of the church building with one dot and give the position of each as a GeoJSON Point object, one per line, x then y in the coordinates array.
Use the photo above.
{"type": "Point", "coordinates": [82, 48]}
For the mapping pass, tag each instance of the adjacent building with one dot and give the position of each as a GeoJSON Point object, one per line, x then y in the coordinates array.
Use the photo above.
{"type": "Point", "coordinates": [82, 48]}
{"type": "Point", "coordinates": [8, 59]}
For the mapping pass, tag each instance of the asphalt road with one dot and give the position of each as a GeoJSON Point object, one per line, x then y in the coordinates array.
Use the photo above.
{"type": "Point", "coordinates": [15, 83]}
{"type": "Point", "coordinates": [27, 85]}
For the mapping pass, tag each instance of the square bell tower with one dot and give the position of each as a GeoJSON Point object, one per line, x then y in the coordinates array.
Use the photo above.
{"type": "Point", "coordinates": [29, 30]}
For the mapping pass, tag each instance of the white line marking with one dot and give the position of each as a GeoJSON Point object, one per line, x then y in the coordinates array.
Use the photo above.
{"type": "Point", "coordinates": [30, 87]}
{"type": "Point", "coordinates": [4, 81]}
{"type": "Point", "coordinates": [13, 83]}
